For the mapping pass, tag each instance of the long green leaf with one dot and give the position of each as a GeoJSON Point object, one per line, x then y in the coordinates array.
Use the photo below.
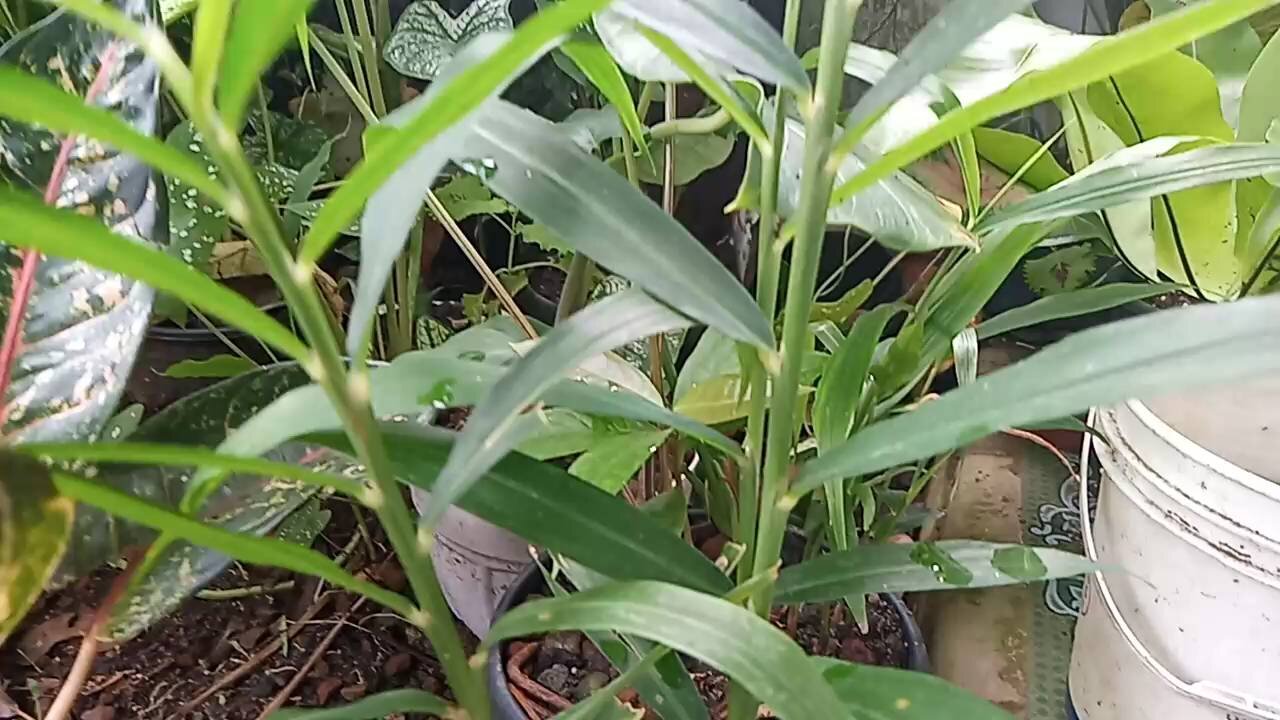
{"type": "Point", "coordinates": [1229, 53]}
{"type": "Point", "coordinates": [840, 389]}
{"type": "Point", "coordinates": [35, 523]}
{"type": "Point", "coordinates": [1153, 354]}
{"type": "Point", "coordinates": [262, 551]}
{"type": "Point", "coordinates": [1070, 304]}
{"type": "Point", "coordinates": [928, 52]}
{"type": "Point", "coordinates": [374, 707]}
{"type": "Point", "coordinates": [82, 326]}
{"type": "Point", "coordinates": [54, 232]}
{"type": "Point", "coordinates": [1260, 103]}
{"type": "Point", "coordinates": [1141, 180]}
{"type": "Point", "coordinates": [598, 65]}
{"type": "Point", "coordinates": [923, 567]}
{"type": "Point", "coordinates": [599, 328]}
{"type": "Point", "coordinates": [456, 100]}
{"type": "Point", "coordinates": [257, 33]}
{"type": "Point", "coordinates": [208, 39]}
{"type": "Point", "coordinates": [727, 31]}
{"type": "Point", "coordinates": [29, 99]}
{"type": "Point", "coordinates": [1105, 58]}
{"type": "Point", "coordinates": [744, 646]}
{"type": "Point", "coordinates": [181, 456]}
{"type": "Point", "coordinates": [593, 209]}
{"type": "Point", "coordinates": [881, 693]}
{"type": "Point", "coordinates": [552, 509]}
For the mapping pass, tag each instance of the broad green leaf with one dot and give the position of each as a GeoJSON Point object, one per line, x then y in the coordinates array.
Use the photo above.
{"type": "Point", "coordinates": [28, 99]}
{"type": "Point", "coordinates": [1010, 151]}
{"type": "Point", "coordinates": [218, 366]}
{"type": "Point", "coordinates": [840, 311]}
{"type": "Point", "coordinates": [374, 707]}
{"type": "Point", "coordinates": [599, 328]}
{"type": "Point", "coordinates": [83, 323]}
{"type": "Point", "coordinates": [716, 400]}
{"type": "Point", "coordinates": [552, 509]}
{"type": "Point", "coordinates": [455, 100]}
{"type": "Point", "coordinates": [694, 155]}
{"type": "Point", "coordinates": [590, 128]}
{"type": "Point", "coordinates": [723, 31]}
{"type": "Point", "coordinates": [122, 424]}
{"type": "Point", "coordinates": [427, 35]}
{"type": "Point", "coordinates": [257, 33]}
{"type": "Point", "coordinates": [1158, 353]}
{"type": "Point", "coordinates": [1125, 178]}
{"type": "Point", "coordinates": [596, 211]}
{"type": "Point", "coordinates": [1259, 257]}
{"type": "Point", "coordinates": [730, 638]}
{"type": "Point", "coordinates": [35, 525]}
{"type": "Point", "coordinates": [61, 234]}
{"type": "Point", "coordinates": [613, 462]}
{"type": "Point", "coordinates": [639, 57]}
{"type": "Point", "coordinates": [714, 355]}
{"type": "Point", "coordinates": [1229, 53]}
{"type": "Point", "coordinates": [1090, 142]}
{"type": "Point", "coordinates": [1260, 103]}
{"type": "Point", "coordinates": [598, 65]}
{"type": "Point", "coordinates": [954, 28]}
{"type": "Point", "coordinates": [897, 211]}
{"type": "Point", "coordinates": [1070, 304]}
{"type": "Point", "coordinates": [466, 196]}
{"type": "Point", "coordinates": [1101, 59]}
{"type": "Point", "coordinates": [262, 551]}
{"type": "Point", "coordinates": [869, 691]}
{"type": "Point", "coordinates": [1195, 229]}
{"type": "Point", "coordinates": [923, 567]}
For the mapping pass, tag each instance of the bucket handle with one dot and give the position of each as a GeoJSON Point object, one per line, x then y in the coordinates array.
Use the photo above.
{"type": "Point", "coordinates": [1242, 705]}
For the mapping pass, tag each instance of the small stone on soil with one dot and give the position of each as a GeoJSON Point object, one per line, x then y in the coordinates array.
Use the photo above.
{"type": "Point", "coordinates": [555, 678]}
{"type": "Point", "coordinates": [589, 683]}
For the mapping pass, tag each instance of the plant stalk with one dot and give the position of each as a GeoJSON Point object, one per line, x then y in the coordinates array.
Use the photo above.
{"type": "Point", "coordinates": [768, 269]}
{"type": "Point", "coordinates": [372, 63]}
{"type": "Point", "coordinates": [816, 185]}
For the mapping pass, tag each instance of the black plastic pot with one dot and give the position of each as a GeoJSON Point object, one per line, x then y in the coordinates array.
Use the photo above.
{"type": "Point", "coordinates": [530, 582]}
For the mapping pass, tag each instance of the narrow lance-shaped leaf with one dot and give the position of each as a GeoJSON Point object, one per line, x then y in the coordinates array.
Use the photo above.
{"type": "Point", "coordinates": [596, 211]}
{"type": "Point", "coordinates": [35, 522]}
{"type": "Point", "coordinates": [923, 567]}
{"type": "Point", "coordinates": [456, 101]}
{"type": "Point", "coordinates": [726, 31]}
{"type": "Point", "coordinates": [552, 509]}
{"type": "Point", "coordinates": [596, 63]}
{"type": "Point", "coordinates": [261, 551]}
{"type": "Point", "coordinates": [1071, 304]}
{"type": "Point", "coordinates": [744, 646]}
{"type": "Point", "coordinates": [257, 32]}
{"type": "Point", "coordinates": [32, 100]}
{"type": "Point", "coordinates": [1157, 353]}
{"type": "Point", "coordinates": [67, 357]}
{"type": "Point", "coordinates": [868, 691]}
{"type": "Point", "coordinates": [73, 236]}
{"type": "Point", "coordinates": [392, 210]}
{"type": "Point", "coordinates": [1146, 178]}
{"type": "Point", "coordinates": [599, 328]}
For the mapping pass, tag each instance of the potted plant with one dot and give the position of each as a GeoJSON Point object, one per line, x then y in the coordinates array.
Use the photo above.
{"type": "Point", "coordinates": [653, 585]}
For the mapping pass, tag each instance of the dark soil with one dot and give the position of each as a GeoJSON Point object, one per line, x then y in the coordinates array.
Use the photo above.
{"type": "Point", "coordinates": [155, 675]}
{"type": "Point", "coordinates": [549, 674]}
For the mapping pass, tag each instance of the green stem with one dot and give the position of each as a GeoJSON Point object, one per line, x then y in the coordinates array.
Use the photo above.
{"type": "Point", "coordinates": [815, 190]}
{"type": "Point", "coordinates": [353, 49]}
{"type": "Point", "coordinates": [577, 287]}
{"type": "Point", "coordinates": [372, 65]}
{"type": "Point", "coordinates": [266, 124]}
{"type": "Point", "coordinates": [768, 269]}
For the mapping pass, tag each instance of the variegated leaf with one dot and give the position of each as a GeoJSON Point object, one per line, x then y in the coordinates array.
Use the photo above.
{"type": "Point", "coordinates": [427, 36]}
{"type": "Point", "coordinates": [82, 326]}
{"type": "Point", "coordinates": [34, 522]}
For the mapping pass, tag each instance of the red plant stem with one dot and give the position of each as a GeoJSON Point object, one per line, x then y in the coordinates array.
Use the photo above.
{"type": "Point", "coordinates": [25, 285]}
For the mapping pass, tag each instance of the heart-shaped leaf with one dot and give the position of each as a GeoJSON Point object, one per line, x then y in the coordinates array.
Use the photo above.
{"type": "Point", "coordinates": [427, 35]}
{"type": "Point", "coordinates": [67, 362]}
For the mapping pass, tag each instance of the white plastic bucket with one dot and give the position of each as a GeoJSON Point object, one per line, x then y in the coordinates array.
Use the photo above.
{"type": "Point", "coordinates": [1184, 624]}
{"type": "Point", "coordinates": [475, 563]}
